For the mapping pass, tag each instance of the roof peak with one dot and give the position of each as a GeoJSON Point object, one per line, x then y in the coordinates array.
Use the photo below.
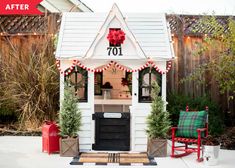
{"type": "Point", "coordinates": [115, 6]}
{"type": "Point", "coordinates": [115, 9]}
{"type": "Point", "coordinates": [114, 14]}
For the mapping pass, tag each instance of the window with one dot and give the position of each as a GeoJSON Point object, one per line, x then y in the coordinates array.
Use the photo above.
{"type": "Point", "coordinates": [78, 80]}
{"type": "Point", "coordinates": [98, 83]}
{"type": "Point", "coordinates": [129, 81]}
{"type": "Point", "coordinates": [146, 77]}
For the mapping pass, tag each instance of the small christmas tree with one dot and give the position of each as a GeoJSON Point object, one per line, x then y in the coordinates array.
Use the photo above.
{"type": "Point", "coordinates": [158, 122]}
{"type": "Point", "coordinates": [70, 115]}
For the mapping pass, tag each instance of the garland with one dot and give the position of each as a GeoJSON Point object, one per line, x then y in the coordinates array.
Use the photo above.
{"type": "Point", "coordinates": [117, 65]}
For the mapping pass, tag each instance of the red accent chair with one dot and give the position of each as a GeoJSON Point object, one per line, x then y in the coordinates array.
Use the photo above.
{"type": "Point", "coordinates": [185, 149]}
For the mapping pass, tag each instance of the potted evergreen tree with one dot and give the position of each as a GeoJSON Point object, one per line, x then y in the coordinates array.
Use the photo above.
{"type": "Point", "coordinates": [70, 123]}
{"type": "Point", "coordinates": [158, 125]}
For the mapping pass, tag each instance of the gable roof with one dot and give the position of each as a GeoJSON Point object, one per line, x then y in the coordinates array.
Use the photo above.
{"type": "Point", "coordinates": [79, 30]}
{"type": "Point", "coordinates": [114, 13]}
{"type": "Point", "coordinates": [58, 6]}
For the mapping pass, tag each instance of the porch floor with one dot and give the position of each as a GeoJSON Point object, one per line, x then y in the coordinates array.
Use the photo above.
{"type": "Point", "coordinates": [26, 152]}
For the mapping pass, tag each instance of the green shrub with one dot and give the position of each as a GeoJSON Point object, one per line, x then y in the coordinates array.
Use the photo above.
{"type": "Point", "coordinates": [178, 102]}
{"type": "Point", "coordinates": [70, 114]}
{"type": "Point", "coordinates": [158, 122]}
{"type": "Point", "coordinates": [8, 112]}
{"type": "Point", "coordinates": [175, 104]}
{"type": "Point", "coordinates": [7, 115]}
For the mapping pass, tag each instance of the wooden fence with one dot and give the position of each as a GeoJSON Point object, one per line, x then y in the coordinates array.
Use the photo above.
{"type": "Point", "coordinates": [184, 64]}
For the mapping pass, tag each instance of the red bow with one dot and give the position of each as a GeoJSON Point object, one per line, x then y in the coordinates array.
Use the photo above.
{"type": "Point", "coordinates": [116, 37]}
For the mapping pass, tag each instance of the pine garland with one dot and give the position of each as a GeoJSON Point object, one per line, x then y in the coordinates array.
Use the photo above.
{"type": "Point", "coordinates": [70, 115]}
{"type": "Point", "coordinates": [158, 122]}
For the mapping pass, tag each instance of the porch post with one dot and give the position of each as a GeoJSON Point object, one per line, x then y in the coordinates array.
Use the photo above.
{"type": "Point", "coordinates": [61, 89]}
{"type": "Point", "coordinates": [135, 88]}
{"type": "Point", "coordinates": [91, 97]}
{"type": "Point", "coordinates": [164, 89]}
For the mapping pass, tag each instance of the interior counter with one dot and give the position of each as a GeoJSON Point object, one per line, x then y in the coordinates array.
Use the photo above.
{"type": "Point", "coordinates": [112, 105]}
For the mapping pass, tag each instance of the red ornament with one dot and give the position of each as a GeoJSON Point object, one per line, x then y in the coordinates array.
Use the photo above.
{"type": "Point", "coordinates": [116, 37]}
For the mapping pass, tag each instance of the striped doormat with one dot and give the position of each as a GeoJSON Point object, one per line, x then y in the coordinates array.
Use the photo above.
{"type": "Point", "coordinates": [124, 159]}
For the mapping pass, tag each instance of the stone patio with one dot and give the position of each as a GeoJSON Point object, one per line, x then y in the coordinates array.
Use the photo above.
{"type": "Point", "coordinates": [26, 152]}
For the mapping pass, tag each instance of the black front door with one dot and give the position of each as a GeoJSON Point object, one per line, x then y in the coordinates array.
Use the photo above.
{"type": "Point", "coordinates": [112, 131]}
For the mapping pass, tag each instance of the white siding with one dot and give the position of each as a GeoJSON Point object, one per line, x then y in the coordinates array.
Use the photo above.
{"type": "Point", "coordinates": [79, 30]}
{"type": "Point", "coordinates": [138, 127]}
{"type": "Point", "coordinates": [85, 134]}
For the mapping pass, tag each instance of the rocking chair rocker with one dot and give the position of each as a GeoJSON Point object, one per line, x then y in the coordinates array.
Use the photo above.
{"type": "Point", "coordinates": [192, 128]}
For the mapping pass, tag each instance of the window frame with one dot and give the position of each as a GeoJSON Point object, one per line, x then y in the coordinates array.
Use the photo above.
{"type": "Point", "coordinates": [129, 84]}
{"type": "Point", "coordinates": [101, 83]}
{"type": "Point", "coordinates": [78, 70]}
{"type": "Point", "coordinates": [148, 99]}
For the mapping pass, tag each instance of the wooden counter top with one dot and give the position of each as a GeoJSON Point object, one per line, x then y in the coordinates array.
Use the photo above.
{"type": "Point", "coordinates": [113, 101]}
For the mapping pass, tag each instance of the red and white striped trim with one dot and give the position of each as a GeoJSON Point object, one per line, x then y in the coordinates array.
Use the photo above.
{"type": "Point", "coordinates": [117, 65]}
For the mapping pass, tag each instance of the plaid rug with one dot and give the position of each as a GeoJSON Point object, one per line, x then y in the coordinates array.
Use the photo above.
{"type": "Point", "coordinates": [119, 159]}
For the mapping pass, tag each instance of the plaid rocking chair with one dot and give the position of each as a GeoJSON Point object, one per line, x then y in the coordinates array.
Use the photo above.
{"type": "Point", "coordinates": [192, 127]}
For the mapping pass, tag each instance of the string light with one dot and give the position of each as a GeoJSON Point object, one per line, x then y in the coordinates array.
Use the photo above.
{"type": "Point", "coordinates": [22, 34]}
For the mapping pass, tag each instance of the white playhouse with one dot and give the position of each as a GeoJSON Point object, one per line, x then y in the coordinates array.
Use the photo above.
{"type": "Point", "coordinates": [111, 60]}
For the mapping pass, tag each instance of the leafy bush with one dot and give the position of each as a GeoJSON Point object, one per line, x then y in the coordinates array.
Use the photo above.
{"type": "Point", "coordinates": [220, 40]}
{"type": "Point", "coordinates": [175, 104]}
{"type": "Point", "coordinates": [178, 102]}
{"type": "Point", "coordinates": [7, 115]}
{"type": "Point", "coordinates": [7, 110]}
